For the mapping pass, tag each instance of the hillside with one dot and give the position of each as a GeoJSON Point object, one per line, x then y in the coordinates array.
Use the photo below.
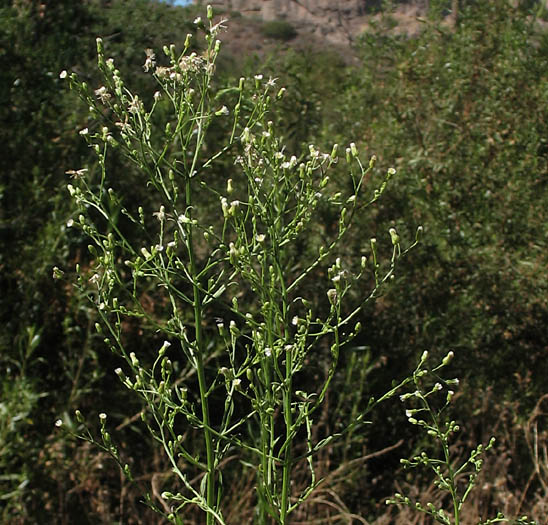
{"type": "Point", "coordinates": [337, 22]}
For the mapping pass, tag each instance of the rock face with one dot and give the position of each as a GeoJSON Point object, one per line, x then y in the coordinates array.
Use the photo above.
{"type": "Point", "coordinates": [338, 21]}
{"type": "Point", "coordinates": [302, 10]}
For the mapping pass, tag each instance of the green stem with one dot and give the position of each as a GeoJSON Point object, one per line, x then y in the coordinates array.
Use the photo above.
{"type": "Point", "coordinates": [202, 384]}
{"type": "Point", "coordinates": [210, 494]}
{"type": "Point", "coordinates": [288, 435]}
{"type": "Point", "coordinates": [287, 396]}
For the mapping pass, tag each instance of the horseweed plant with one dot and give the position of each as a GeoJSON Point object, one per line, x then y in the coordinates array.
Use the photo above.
{"type": "Point", "coordinates": [451, 478]}
{"type": "Point", "coordinates": [229, 291]}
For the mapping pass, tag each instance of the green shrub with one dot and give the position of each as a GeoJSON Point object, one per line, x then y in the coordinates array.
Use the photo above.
{"type": "Point", "coordinates": [279, 30]}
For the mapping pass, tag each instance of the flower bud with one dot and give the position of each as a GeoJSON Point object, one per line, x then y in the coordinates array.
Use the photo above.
{"type": "Point", "coordinates": [447, 359]}
{"type": "Point", "coordinates": [394, 236]}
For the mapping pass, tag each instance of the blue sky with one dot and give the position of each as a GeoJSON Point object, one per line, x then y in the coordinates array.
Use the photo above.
{"type": "Point", "coordinates": [181, 2]}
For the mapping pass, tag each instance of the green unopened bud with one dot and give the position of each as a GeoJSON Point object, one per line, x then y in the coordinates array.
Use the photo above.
{"type": "Point", "coordinates": [353, 149]}
{"type": "Point", "coordinates": [447, 359]}
{"type": "Point", "coordinates": [225, 207]}
{"type": "Point", "coordinates": [209, 12]}
{"type": "Point", "coordinates": [332, 296]}
{"type": "Point", "coordinates": [234, 330]}
{"type": "Point", "coordinates": [419, 233]}
{"type": "Point", "coordinates": [373, 243]}
{"type": "Point", "coordinates": [233, 253]}
{"type": "Point", "coordinates": [134, 360]}
{"type": "Point", "coordinates": [164, 347]}
{"type": "Point", "coordinates": [229, 188]}
{"type": "Point", "coordinates": [394, 236]}
{"type": "Point", "coordinates": [281, 93]}
{"type": "Point", "coordinates": [334, 151]}
{"type": "Point", "coordinates": [221, 328]}
{"type": "Point", "coordinates": [372, 161]}
{"type": "Point", "coordinates": [234, 207]}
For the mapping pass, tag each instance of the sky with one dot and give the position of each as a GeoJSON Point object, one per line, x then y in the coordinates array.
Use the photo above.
{"type": "Point", "coordinates": [181, 2]}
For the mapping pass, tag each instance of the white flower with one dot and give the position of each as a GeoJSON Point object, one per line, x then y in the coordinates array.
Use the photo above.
{"type": "Point", "coordinates": [135, 105]}
{"type": "Point", "coordinates": [76, 174]}
{"type": "Point", "coordinates": [63, 74]}
{"type": "Point", "coordinates": [59, 423]}
{"type": "Point", "coordinates": [84, 131]}
{"type": "Point", "coordinates": [102, 94]}
{"type": "Point", "coordinates": [150, 61]}
{"type": "Point", "coordinates": [291, 163]}
{"type": "Point", "coordinates": [160, 215]}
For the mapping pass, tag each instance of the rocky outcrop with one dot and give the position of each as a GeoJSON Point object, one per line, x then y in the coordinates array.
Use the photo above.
{"type": "Point", "coordinates": [338, 21]}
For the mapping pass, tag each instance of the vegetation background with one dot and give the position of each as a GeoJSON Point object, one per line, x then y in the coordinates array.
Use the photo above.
{"type": "Point", "coordinates": [460, 110]}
